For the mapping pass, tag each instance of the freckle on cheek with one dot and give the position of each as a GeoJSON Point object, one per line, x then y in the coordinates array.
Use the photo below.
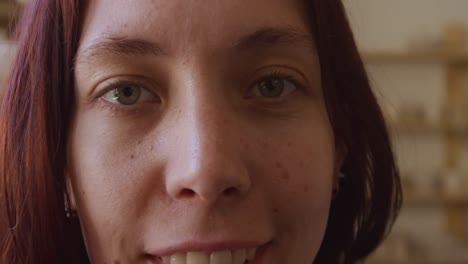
{"type": "Point", "coordinates": [278, 165]}
{"type": "Point", "coordinates": [286, 175]}
{"type": "Point", "coordinates": [275, 210]}
{"type": "Point", "coordinates": [306, 189]}
{"type": "Point", "coordinates": [289, 144]}
{"type": "Point", "coordinates": [132, 156]}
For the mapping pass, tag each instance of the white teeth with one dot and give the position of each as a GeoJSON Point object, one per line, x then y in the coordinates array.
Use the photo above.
{"type": "Point", "coordinates": [166, 260]}
{"type": "Point", "coordinates": [179, 258]}
{"type": "Point", "coordinates": [197, 258]}
{"type": "Point", "coordinates": [251, 253]}
{"type": "Point", "coordinates": [221, 257]}
{"type": "Point", "coordinates": [239, 256]}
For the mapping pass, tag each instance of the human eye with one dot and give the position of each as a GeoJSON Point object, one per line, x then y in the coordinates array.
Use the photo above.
{"type": "Point", "coordinates": [274, 86]}
{"type": "Point", "coordinates": [128, 93]}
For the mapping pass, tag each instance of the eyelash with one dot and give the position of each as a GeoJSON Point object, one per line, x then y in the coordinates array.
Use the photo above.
{"type": "Point", "coordinates": [113, 84]}
{"type": "Point", "coordinates": [279, 74]}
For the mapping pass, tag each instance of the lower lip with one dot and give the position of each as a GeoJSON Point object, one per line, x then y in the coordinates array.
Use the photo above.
{"type": "Point", "coordinates": [259, 256]}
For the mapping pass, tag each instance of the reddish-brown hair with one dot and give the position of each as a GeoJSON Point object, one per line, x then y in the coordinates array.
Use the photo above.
{"type": "Point", "coordinates": [35, 117]}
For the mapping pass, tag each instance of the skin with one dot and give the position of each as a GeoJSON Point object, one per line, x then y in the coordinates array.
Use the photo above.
{"type": "Point", "coordinates": [203, 158]}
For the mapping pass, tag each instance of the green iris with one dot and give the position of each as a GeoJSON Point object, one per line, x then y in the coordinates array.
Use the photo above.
{"type": "Point", "coordinates": [127, 95]}
{"type": "Point", "coordinates": [271, 87]}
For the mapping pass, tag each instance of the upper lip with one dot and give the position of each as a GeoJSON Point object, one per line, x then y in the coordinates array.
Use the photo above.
{"type": "Point", "coordinates": [207, 247]}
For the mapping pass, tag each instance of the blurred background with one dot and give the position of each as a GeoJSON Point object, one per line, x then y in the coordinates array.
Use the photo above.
{"type": "Point", "coordinates": [8, 11]}
{"type": "Point", "coordinates": [416, 53]}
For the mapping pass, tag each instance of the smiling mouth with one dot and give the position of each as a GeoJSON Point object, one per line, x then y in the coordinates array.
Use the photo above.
{"type": "Point", "coordinates": [238, 256]}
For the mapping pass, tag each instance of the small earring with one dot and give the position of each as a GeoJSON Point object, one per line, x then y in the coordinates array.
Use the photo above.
{"type": "Point", "coordinates": [70, 213]}
{"type": "Point", "coordinates": [336, 187]}
{"type": "Point", "coordinates": [341, 176]}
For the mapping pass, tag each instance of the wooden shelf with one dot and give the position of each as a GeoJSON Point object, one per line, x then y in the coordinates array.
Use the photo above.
{"type": "Point", "coordinates": [9, 11]}
{"type": "Point", "coordinates": [7, 8]}
{"type": "Point", "coordinates": [423, 128]}
{"type": "Point", "coordinates": [453, 59]}
{"type": "Point", "coordinates": [415, 261]}
{"type": "Point", "coordinates": [382, 56]}
{"type": "Point", "coordinates": [426, 128]}
{"type": "Point", "coordinates": [436, 200]}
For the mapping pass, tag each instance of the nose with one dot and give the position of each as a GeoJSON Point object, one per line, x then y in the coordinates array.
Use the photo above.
{"type": "Point", "coordinates": [205, 162]}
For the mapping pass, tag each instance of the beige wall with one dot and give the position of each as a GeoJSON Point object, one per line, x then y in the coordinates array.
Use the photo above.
{"type": "Point", "coordinates": [392, 24]}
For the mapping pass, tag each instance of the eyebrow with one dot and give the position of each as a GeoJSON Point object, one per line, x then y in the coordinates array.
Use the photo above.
{"type": "Point", "coordinates": [123, 46]}
{"type": "Point", "coordinates": [261, 38]}
{"type": "Point", "coordinates": [270, 36]}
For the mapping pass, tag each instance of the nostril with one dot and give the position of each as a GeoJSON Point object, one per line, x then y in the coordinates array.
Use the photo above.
{"type": "Point", "coordinates": [230, 191]}
{"type": "Point", "coordinates": [187, 193]}
{"type": "Point", "coordinates": [154, 259]}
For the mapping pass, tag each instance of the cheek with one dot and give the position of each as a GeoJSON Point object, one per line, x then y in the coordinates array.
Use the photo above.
{"type": "Point", "coordinates": [301, 165]}
{"type": "Point", "coordinates": [302, 178]}
{"type": "Point", "coordinates": [107, 159]}
{"type": "Point", "coordinates": [300, 186]}
{"type": "Point", "coordinates": [105, 168]}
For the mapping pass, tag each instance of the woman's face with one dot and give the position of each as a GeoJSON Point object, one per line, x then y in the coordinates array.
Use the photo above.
{"type": "Point", "coordinates": [200, 131]}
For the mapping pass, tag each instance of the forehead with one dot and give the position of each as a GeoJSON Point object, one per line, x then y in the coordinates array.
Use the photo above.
{"type": "Point", "coordinates": [181, 25]}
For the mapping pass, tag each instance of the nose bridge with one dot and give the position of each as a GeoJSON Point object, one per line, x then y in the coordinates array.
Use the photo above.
{"type": "Point", "coordinates": [207, 134]}
{"type": "Point", "coordinates": [206, 163]}
{"type": "Point", "coordinates": [206, 117]}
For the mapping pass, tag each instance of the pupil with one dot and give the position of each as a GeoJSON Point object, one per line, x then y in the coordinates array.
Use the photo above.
{"type": "Point", "coordinates": [127, 95]}
{"type": "Point", "coordinates": [272, 88]}
{"type": "Point", "coordinates": [127, 91]}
